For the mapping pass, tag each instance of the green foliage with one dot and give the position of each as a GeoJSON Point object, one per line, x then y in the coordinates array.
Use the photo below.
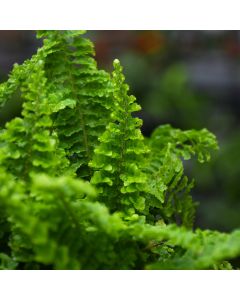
{"type": "Point", "coordinates": [166, 180]}
{"type": "Point", "coordinates": [119, 159]}
{"type": "Point", "coordinates": [81, 187]}
{"type": "Point", "coordinates": [26, 144]}
{"type": "Point", "coordinates": [75, 82]}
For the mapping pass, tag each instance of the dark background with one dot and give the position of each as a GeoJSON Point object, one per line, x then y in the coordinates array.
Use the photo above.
{"type": "Point", "coordinates": [190, 79]}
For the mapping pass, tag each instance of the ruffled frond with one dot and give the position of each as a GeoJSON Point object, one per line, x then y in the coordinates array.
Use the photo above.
{"type": "Point", "coordinates": [196, 250]}
{"type": "Point", "coordinates": [81, 92]}
{"type": "Point", "coordinates": [168, 186]}
{"type": "Point", "coordinates": [27, 144]}
{"type": "Point", "coordinates": [185, 144]}
{"type": "Point", "coordinates": [119, 159]}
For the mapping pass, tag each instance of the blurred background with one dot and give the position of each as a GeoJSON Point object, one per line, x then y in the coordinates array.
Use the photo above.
{"type": "Point", "coordinates": [190, 79]}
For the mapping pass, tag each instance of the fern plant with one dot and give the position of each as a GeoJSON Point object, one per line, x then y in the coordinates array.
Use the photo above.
{"type": "Point", "coordinates": [81, 187]}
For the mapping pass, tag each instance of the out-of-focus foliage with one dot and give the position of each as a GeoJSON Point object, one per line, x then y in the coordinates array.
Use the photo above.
{"type": "Point", "coordinates": [81, 187]}
{"type": "Point", "coordinates": [219, 185]}
{"type": "Point", "coordinates": [170, 93]}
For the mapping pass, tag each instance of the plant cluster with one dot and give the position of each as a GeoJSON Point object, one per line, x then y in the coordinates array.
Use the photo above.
{"type": "Point", "coordinates": [81, 187]}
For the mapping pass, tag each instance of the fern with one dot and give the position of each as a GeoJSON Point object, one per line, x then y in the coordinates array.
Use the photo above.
{"type": "Point", "coordinates": [27, 143]}
{"type": "Point", "coordinates": [81, 187]}
{"type": "Point", "coordinates": [83, 94]}
{"type": "Point", "coordinates": [119, 158]}
{"type": "Point", "coordinates": [166, 180]}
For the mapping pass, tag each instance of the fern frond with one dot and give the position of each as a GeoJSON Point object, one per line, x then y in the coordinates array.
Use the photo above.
{"type": "Point", "coordinates": [168, 189]}
{"type": "Point", "coordinates": [198, 250]}
{"type": "Point", "coordinates": [82, 94]}
{"type": "Point", "coordinates": [119, 158]}
{"type": "Point", "coordinates": [167, 183]}
{"type": "Point", "coordinates": [32, 235]}
{"type": "Point", "coordinates": [27, 144]}
{"type": "Point", "coordinates": [19, 75]}
{"type": "Point", "coordinates": [185, 144]}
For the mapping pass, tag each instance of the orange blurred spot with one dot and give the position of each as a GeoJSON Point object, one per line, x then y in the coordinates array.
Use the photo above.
{"type": "Point", "coordinates": [150, 42]}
